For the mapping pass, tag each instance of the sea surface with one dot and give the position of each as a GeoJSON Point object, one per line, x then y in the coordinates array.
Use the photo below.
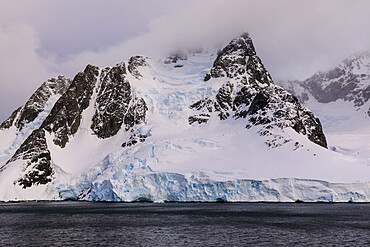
{"type": "Point", "coordinates": [184, 224]}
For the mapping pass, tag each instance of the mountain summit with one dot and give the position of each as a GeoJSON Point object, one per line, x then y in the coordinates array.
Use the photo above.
{"type": "Point", "coordinates": [201, 126]}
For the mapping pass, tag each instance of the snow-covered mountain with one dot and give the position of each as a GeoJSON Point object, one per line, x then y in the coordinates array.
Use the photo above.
{"type": "Point", "coordinates": [345, 87]}
{"type": "Point", "coordinates": [196, 126]}
{"type": "Point", "coordinates": [340, 98]}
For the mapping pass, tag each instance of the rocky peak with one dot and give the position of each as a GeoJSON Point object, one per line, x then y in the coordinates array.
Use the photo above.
{"type": "Point", "coordinates": [240, 45]}
{"type": "Point", "coordinates": [249, 92]}
{"type": "Point", "coordinates": [232, 59]}
{"type": "Point", "coordinates": [37, 102]}
{"type": "Point", "coordinates": [245, 74]}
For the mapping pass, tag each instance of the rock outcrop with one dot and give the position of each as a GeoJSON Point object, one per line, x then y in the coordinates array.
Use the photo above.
{"type": "Point", "coordinates": [37, 169]}
{"type": "Point", "coordinates": [115, 105]}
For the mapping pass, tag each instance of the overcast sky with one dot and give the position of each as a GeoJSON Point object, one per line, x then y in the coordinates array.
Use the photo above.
{"type": "Point", "coordinates": [294, 38]}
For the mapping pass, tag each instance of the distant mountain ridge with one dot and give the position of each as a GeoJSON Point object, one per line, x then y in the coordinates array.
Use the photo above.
{"type": "Point", "coordinates": [340, 98]}
{"type": "Point", "coordinates": [349, 81]}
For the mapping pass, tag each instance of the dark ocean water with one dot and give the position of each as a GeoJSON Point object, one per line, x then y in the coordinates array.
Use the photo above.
{"type": "Point", "coordinates": [183, 224]}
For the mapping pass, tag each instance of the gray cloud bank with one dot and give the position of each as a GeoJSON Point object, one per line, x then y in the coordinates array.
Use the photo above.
{"type": "Point", "coordinates": [294, 38]}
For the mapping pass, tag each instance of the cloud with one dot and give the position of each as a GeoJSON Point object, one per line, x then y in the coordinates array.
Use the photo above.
{"type": "Point", "coordinates": [22, 69]}
{"type": "Point", "coordinates": [294, 38]}
{"type": "Point", "coordinates": [41, 39]}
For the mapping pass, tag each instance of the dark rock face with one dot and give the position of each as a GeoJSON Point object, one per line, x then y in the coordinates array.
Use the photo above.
{"type": "Point", "coordinates": [65, 117]}
{"type": "Point", "coordinates": [250, 93]}
{"type": "Point", "coordinates": [259, 102]}
{"type": "Point", "coordinates": [112, 102]}
{"type": "Point", "coordinates": [115, 104]}
{"type": "Point", "coordinates": [136, 113]}
{"type": "Point", "coordinates": [207, 77]}
{"type": "Point", "coordinates": [37, 102]}
{"type": "Point", "coordinates": [258, 72]}
{"type": "Point", "coordinates": [273, 107]}
{"type": "Point", "coordinates": [224, 101]}
{"type": "Point", "coordinates": [242, 99]}
{"type": "Point", "coordinates": [35, 152]}
{"type": "Point", "coordinates": [133, 66]}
